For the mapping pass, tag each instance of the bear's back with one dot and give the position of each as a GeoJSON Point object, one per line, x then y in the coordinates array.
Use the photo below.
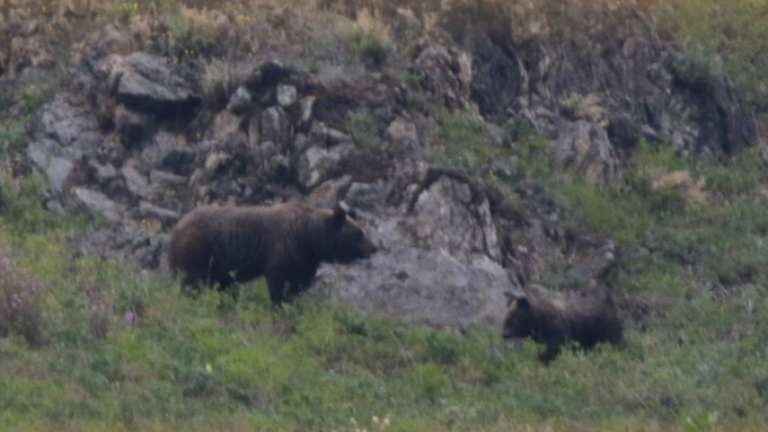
{"type": "Point", "coordinates": [592, 320]}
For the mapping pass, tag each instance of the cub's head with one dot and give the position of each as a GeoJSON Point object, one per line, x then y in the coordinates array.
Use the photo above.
{"type": "Point", "coordinates": [347, 238]}
{"type": "Point", "coordinates": [519, 322]}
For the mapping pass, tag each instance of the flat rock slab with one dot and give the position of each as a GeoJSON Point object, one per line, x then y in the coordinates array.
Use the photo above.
{"type": "Point", "coordinates": [419, 286]}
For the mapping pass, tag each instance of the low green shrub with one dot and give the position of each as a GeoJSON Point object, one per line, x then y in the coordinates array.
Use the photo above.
{"type": "Point", "coordinates": [370, 50]}
{"type": "Point", "coordinates": [21, 300]}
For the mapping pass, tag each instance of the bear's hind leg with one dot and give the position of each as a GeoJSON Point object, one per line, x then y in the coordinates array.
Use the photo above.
{"type": "Point", "coordinates": [294, 289]}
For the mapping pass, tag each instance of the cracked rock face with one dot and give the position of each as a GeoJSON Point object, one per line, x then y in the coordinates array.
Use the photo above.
{"type": "Point", "coordinates": [445, 220]}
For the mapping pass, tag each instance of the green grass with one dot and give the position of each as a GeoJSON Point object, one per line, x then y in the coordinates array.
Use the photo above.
{"type": "Point", "coordinates": [722, 37]}
{"type": "Point", "coordinates": [102, 346]}
{"type": "Point", "coordinates": [369, 49]}
{"type": "Point", "coordinates": [13, 136]}
{"type": "Point", "coordinates": [209, 363]}
{"type": "Point", "coordinates": [459, 139]}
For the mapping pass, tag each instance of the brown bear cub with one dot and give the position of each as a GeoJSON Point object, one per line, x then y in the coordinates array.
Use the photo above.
{"type": "Point", "coordinates": [585, 320]}
{"type": "Point", "coordinates": [285, 243]}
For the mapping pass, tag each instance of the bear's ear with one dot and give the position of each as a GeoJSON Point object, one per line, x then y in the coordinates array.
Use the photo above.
{"type": "Point", "coordinates": [511, 297]}
{"type": "Point", "coordinates": [339, 217]}
{"type": "Point", "coordinates": [523, 303]}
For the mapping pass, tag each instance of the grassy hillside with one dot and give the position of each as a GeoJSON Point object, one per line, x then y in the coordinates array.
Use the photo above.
{"type": "Point", "coordinates": [723, 38]}
{"type": "Point", "coordinates": [92, 345]}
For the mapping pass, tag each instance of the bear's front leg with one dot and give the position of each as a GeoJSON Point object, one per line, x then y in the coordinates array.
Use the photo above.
{"type": "Point", "coordinates": [553, 349]}
{"type": "Point", "coordinates": [220, 278]}
{"type": "Point", "coordinates": [300, 282]}
{"type": "Point", "coordinates": [276, 288]}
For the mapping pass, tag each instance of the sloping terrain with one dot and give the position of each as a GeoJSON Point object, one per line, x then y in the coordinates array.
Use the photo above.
{"type": "Point", "coordinates": [486, 145]}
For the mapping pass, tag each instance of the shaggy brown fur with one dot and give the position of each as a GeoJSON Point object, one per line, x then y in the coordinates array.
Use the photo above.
{"type": "Point", "coordinates": [285, 243]}
{"type": "Point", "coordinates": [585, 320]}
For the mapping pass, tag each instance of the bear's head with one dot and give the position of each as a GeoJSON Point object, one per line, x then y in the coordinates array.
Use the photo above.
{"type": "Point", "coordinates": [521, 319]}
{"type": "Point", "coordinates": [347, 239]}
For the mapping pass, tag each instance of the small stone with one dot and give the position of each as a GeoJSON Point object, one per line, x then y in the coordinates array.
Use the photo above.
{"type": "Point", "coordinates": [165, 216]}
{"type": "Point", "coordinates": [96, 202]}
{"type": "Point", "coordinates": [240, 101]}
{"type": "Point", "coordinates": [306, 104]}
{"type": "Point", "coordinates": [286, 95]}
{"type": "Point", "coordinates": [136, 182]}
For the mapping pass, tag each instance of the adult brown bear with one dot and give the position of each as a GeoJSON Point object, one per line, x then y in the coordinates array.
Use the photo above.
{"type": "Point", "coordinates": [285, 243]}
{"type": "Point", "coordinates": [586, 320]}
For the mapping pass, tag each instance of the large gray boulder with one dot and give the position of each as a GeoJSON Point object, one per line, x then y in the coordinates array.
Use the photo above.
{"type": "Point", "coordinates": [420, 286]}
{"type": "Point", "coordinates": [145, 83]}
{"type": "Point", "coordinates": [63, 131]}
{"type": "Point", "coordinates": [438, 260]}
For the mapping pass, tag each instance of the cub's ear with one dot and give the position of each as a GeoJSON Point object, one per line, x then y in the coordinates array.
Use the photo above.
{"type": "Point", "coordinates": [523, 303]}
{"type": "Point", "coordinates": [339, 216]}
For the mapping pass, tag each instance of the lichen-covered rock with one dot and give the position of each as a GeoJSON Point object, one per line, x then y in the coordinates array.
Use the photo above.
{"type": "Point", "coordinates": [402, 132]}
{"type": "Point", "coordinates": [137, 183]}
{"type": "Point", "coordinates": [275, 127]}
{"type": "Point", "coordinates": [62, 132]}
{"type": "Point", "coordinates": [240, 101]}
{"type": "Point", "coordinates": [90, 201]}
{"type": "Point", "coordinates": [445, 70]}
{"type": "Point", "coordinates": [147, 84]}
{"type": "Point", "coordinates": [420, 286]}
{"type": "Point", "coordinates": [438, 254]}
{"type": "Point", "coordinates": [286, 95]}
{"type": "Point", "coordinates": [447, 219]}
{"type": "Point", "coordinates": [583, 148]}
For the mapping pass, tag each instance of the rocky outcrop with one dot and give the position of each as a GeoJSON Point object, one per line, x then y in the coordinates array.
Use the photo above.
{"type": "Point", "coordinates": [139, 138]}
{"type": "Point", "coordinates": [432, 224]}
{"type": "Point", "coordinates": [444, 69]}
{"type": "Point", "coordinates": [526, 59]}
{"type": "Point", "coordinates": [439, 257]}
